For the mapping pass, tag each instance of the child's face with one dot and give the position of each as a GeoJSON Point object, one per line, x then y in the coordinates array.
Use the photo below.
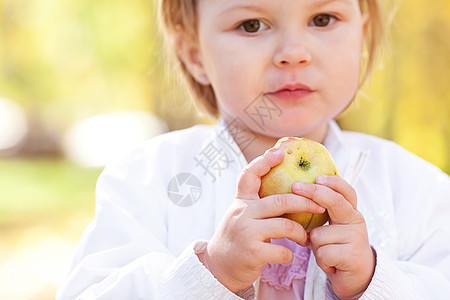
{"type": "Point", "coordinates": [255, 50]}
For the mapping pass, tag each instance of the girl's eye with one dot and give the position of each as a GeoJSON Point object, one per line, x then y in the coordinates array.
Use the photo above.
{"type": "Point", "coordinates": [323, 20]}
{"type": "Point", "coordinates": [252, 26]}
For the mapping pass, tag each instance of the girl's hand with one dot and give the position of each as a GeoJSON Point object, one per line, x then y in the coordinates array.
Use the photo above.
{"type": "Point", "coordinates": [341, 249]}
{"type": "Point", "coordinates": [241, 244]}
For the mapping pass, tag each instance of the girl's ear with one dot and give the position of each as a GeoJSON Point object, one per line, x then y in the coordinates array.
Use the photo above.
{"type": "Point", "coordinates": [365, 27]}
{"type": "Point", "coordinates": [189, 53]}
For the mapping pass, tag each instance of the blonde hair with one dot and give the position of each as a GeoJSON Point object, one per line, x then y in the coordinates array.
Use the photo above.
{"type": "Point", "coordinates": [176, 15]}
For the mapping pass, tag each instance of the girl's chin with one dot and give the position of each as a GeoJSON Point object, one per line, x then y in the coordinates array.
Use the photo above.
{"type": "Point", "coordinates": [298, 129]}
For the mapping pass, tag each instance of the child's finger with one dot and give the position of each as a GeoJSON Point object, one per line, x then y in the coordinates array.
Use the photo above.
{"type": "Point", "coordinates": [276, 205]}
{"type": "Point", "coordinates": [327, 235]}
{"type": "Point", "coordinates": [341, 186]}
{"type": "Point", "coordinates": [275, 254]}
{"type": "Point", "coordinates": [329, 257]}
{"type": "Point", "coordinates": [339, 209]}
{"type": "Point", "coordinates": [250, 179]}
{"type": "Point", "coordinates": [278, 228]}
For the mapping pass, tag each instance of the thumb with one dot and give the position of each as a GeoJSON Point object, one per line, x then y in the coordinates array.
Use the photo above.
{"type": "Point", "coordinates": [250, 179]}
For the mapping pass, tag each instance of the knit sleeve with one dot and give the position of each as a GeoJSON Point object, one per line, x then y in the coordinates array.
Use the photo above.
{"type": "Point", "coordinates": [405, 280]}
{"type": "Point", "coordinates": [188, 278]}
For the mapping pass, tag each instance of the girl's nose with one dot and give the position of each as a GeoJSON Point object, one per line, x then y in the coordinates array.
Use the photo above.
{"type": "Point", "coordinates": [291, 52]}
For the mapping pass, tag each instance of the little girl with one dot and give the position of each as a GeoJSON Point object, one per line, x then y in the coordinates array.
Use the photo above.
{"type": "Point", "coordinates": [180, 216]}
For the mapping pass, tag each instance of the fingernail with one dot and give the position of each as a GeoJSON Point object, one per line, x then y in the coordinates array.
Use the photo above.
{"type": "Point", "coordinates": [298, 186]}
{"type": "Point", "coordinates": [277, 152]}
{"type": "Point", "coordinates": [321, 180]}
{"type": "Point", "coordinates": [272, 150]}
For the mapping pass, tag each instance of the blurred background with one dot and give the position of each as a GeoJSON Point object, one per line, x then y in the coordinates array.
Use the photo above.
{"type": "Point", "coordinates": [81, 81]}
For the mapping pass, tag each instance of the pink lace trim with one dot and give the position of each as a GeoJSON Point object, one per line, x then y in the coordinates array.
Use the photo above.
{"type": "Point", "coordinates": [280, 276]}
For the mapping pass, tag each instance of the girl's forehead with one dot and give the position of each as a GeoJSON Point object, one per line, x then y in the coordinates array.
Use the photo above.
{"type": "Point", "coordinates": [261, 5]}
{"type": "Point", "coordinates": [214, 9]}
{"type": "Point", "coordinates": [278, 2]}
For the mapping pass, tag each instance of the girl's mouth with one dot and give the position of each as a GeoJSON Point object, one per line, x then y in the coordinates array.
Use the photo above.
{"type": "Point", "coordinates": [292, 92]}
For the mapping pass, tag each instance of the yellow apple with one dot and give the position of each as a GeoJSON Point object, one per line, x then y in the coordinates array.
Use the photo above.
{"type": "Point", "coordinates": [304, 160]}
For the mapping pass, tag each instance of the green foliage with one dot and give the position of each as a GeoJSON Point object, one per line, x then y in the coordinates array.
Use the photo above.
{"type": "Point", "coordinates": [80, 57]}
{"type": "Point", "coordinates": [408, 100]}
{"type": "Point", "coordinates": [34, 191]}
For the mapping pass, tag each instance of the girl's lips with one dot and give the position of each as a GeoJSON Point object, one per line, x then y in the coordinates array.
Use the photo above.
{"type": "Point", "coordinates": [291, 93]}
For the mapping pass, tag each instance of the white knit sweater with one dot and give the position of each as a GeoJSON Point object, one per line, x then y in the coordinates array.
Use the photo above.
{"type": "Point", "coordinates": [143, 240]}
